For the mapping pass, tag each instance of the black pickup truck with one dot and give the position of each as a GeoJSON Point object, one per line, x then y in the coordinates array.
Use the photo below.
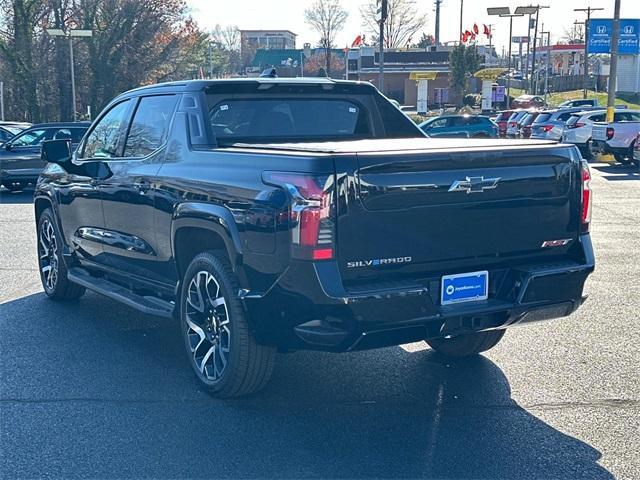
{"type": "Point", "coordinates": [282, 214]}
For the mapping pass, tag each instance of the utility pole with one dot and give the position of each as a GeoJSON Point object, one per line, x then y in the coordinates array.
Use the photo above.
{"type": "Point", "coordinates": [383, 17]}
{"type": "Point", "coordinates": [1, 100]}
{"type": "Point", "coordinates": [613, 68]}
{"type": "Point", "coordinates": [588, 11]}
{"type": "Point", "coordinates": [437, 36]}
{"type": "Point", "coordinates": [546, 70]}
{"type": "Point", "coordinates": [530, 10]}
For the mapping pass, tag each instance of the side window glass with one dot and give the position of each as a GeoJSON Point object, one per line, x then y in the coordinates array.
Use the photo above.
{"type": "Point", "coordinates": [103, 139]}
{"type": "Point", "coordinates": [440, 123]}
{"type": "Point", "coordinates": [150, 125]}
{"type": "Point", "coordinates": [32, 138]}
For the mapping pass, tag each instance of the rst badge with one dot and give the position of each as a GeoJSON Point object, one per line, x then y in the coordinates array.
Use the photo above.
{"type": "Point", "coordinates": [556, 243]}
{"type": "Point", "coordinates": [378, 262]}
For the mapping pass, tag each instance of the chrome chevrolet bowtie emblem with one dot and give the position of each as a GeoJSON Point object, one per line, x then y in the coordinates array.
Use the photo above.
{"type": "Point", "coordinates": [474, 184]}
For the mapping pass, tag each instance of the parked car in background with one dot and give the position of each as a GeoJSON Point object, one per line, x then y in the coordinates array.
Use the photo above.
{"type": "Point", "coordinates": [577, 130]}
{"type": "Point", "coordinates": [549, 125]}
{"type": "Point", "coordinates": [501, 120]}
{"type": "Point", "coordinates": [475, 126]}
{"type": "Point", "coordinates": [7, 132]}
{"type": "Point", "coordinates": [513, 124]}
{"type": "Point", "coordinates": [20, 162]}
{"type": "Point", "coordinates": [528, 101]}
{"type": "Point", "coordinates": [618, 137]}
{"type": "Point", "coordinates": [525, 124]}
{"type": "Point", "coordinates": [588, 102]}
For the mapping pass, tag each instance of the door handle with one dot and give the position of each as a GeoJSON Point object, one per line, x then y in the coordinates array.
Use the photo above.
{"type": "Point", "coordinates": [142, 186]}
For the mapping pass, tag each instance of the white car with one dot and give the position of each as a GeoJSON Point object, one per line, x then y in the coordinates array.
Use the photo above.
{"type": "Point", "coordinates": [618, 137]}
{"type": "Point", "coordinates": [577, 129]}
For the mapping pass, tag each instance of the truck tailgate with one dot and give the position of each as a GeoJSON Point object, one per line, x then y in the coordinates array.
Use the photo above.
{"type": "Point", "coordinates": [415, 212]}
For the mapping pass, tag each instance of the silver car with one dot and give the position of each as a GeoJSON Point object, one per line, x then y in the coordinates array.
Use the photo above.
{"type": "Point", "coordinates": [550, 124]}
{"type": "Point", "coordinates": [577, 129]}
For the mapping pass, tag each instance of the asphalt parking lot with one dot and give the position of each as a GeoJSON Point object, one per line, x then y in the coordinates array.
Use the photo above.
{"type": "Point", "coordinates": [94, 389]}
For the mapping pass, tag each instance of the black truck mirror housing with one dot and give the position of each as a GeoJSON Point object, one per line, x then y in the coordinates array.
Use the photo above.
{"type": "Point", "coordinates": [56, 151]}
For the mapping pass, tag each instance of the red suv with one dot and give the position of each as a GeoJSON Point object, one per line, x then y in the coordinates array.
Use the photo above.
{"type": "Point", "coordinates": [501, 120]}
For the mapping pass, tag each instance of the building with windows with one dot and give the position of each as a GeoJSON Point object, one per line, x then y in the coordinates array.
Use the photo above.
{"type": "Point", "coordinates": [268, 39]}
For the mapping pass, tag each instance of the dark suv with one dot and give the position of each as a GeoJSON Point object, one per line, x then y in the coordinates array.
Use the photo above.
{"type": "Point", "coordinates": [20, 162]}
{"type": "Point", "coordinates": [283, 214]}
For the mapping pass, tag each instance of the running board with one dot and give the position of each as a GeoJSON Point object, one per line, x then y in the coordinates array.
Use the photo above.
{"type": "Point", "coordinates": [150, 305]}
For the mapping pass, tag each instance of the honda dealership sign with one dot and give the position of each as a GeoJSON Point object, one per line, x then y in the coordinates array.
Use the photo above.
{"type": "Point", "coordinates": [601, 31]}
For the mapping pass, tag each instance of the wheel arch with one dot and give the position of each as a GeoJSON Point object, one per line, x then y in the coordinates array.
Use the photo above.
{"type": "Point", "coordinates": [198, 227]}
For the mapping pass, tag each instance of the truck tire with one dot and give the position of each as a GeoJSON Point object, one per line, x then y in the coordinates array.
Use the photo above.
{"type": "Point", "coordinates": [221, 348]}
{"type": "Point", "coordinates": [53, 271]}
{"type": "Point", "coordinates": [467, 345]}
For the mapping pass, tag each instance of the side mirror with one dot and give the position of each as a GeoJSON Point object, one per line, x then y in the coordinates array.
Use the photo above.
{"type": "Point", "coordinates": [7, 146]}
{"type": "Point", "coordinates": [56, 151]}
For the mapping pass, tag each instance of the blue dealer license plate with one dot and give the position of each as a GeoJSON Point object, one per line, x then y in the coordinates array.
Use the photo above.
{"type": "Point", "coordinates": [464, 287]}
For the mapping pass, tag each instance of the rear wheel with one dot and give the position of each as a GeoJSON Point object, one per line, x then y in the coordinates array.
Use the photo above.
{"type": "Point", "coordinates": [53, 271]}
{"type": "Point", "coordinates": [467, 345]}
{"type": "Point", "coordinates": [222, 350]}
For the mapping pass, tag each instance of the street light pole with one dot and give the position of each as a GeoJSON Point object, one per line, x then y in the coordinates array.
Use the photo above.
{"type": "Point", "coordinates": [73, 79]}
{"type": "Point", "coordinates": [57, 32]}
{"type": "Point", "coordinates": [383, 18]}
{"type": "Point", "coordinates": [588, 10]}
{"type": "Point", "coordinates": [506, 12]}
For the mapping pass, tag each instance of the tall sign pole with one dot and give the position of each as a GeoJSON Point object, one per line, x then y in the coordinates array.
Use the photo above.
{"type": "Point", "coordinates": [613, 68]}
{"type": "Point", "coordinates": [1, 100]}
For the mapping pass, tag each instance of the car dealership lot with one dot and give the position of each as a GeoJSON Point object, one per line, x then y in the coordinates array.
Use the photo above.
{"type": "Point", "coordinates": [97, 389]}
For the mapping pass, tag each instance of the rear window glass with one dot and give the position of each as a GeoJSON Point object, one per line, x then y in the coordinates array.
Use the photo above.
{"type": "Point", "coordinates": [573, 119]}
{"type": "Point", "coordinates": [528, 120]}
{"type": "Point", "coordinates": [504, 116]}
{"type": "Point", "coordinates": [272, 120]}
{"type": "Point", "coordinates": [543, 117]}
{"type": "Point", "coordinates": [563, 117]}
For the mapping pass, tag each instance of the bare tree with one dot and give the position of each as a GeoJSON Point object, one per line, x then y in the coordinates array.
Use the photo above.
{"type": "Point", "coordinates": [404, 21]}
{"type": "Point", "coordinates": [228, 37]}
{"type": "Point", "coordinates": [575, 34]}
{"type": "Point", "coordinates": [327, 17]}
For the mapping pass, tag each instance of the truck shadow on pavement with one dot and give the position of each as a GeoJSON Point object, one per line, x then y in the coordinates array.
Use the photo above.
{"type": "Point", "coordinates": [618, 172]}
{"type": "Point", "coordinates": [94, 389]}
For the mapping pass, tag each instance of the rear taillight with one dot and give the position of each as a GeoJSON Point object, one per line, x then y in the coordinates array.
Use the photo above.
{"type": "Point", "coordinates": [610, 133]}
{"type": "Point", "coordinates": [311, 216]}
{"type": "Point", "coordinates": [585, 218]}
{"type": "Point", "coordinates": [513, 124]}
{"type": "Point", "coordinates": [576, 125]}
{"type": "Point", "coordinates": [547, 128]}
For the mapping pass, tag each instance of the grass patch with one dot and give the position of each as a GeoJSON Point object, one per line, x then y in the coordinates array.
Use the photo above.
{"type": "Point", "coordinates": [556, 98]}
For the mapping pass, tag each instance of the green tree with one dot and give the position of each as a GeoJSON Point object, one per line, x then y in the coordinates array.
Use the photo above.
{"type": "Point", "coordinates": [463, 61]}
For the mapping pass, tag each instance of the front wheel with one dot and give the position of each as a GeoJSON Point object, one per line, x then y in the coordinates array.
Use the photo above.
{"type": "Point", "coordinates": [222, 350]}
{"type": "Point", "coordinates": [53, 271]}
{"type": "Point", "coordinates": [467, 345]}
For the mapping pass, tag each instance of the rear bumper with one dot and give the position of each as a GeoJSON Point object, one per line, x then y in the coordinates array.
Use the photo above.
{"type": "Point", "coordinates": [329, 317]}
{"type": "Point", "coordinates": [600, 146]}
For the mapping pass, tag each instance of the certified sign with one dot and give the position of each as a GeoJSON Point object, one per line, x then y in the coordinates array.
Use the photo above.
{"type": "Point", "coordinates": [601, 31]}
